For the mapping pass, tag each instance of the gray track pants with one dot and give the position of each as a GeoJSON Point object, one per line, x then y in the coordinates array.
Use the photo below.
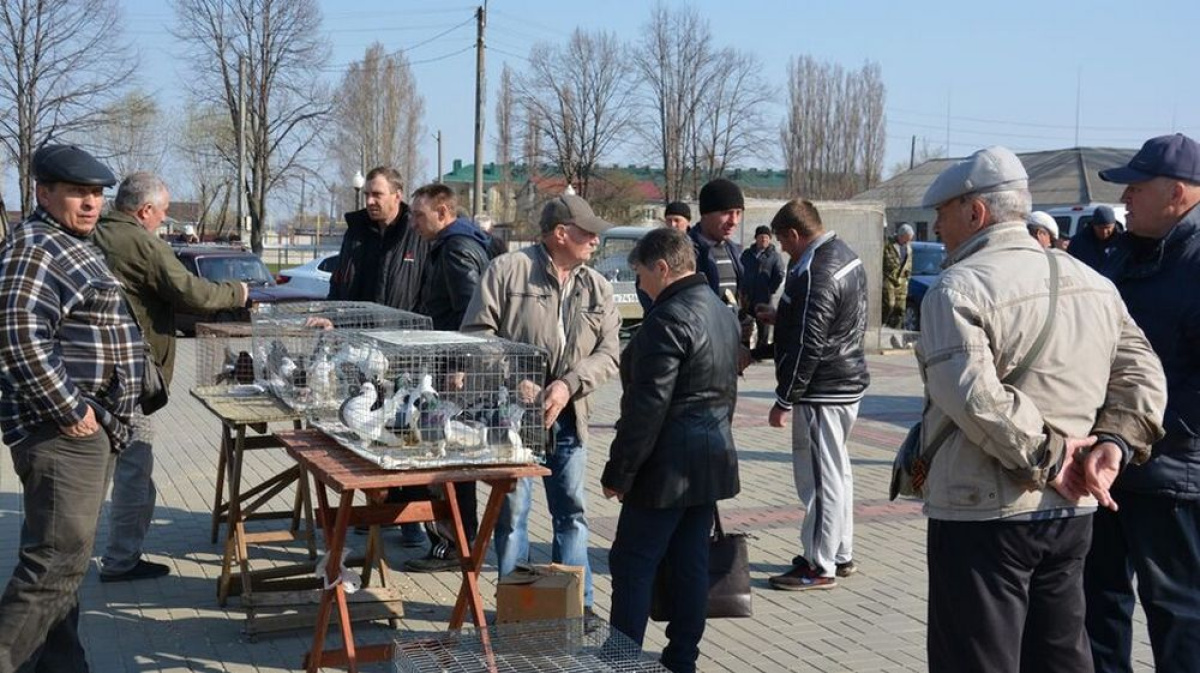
{"type": "Point", "coordinates": [821, 467]}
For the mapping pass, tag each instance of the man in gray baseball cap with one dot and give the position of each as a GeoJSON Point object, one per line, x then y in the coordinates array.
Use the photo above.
{"type": "Point", "coordinates": [1007, 529]}
{"type": "Point", "coordinates": [1156, 532]}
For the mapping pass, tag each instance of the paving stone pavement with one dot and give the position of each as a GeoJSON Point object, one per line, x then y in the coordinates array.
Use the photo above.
{"type": "Point", "coordinates": [874, 621]}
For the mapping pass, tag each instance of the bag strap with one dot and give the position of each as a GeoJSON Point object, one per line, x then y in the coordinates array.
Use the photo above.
{"type": "Point", "coordinates": [718, 529]}
{"type": "Point", "coordinates": [1017, 372]}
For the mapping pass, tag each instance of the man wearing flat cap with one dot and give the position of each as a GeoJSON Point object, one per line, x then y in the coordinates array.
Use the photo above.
{"type": "Point", "coordinates": [1156, 532]}
{"type": "Point", "coordinates": [1094, 243]}
{"type": "Point", "coordinates": [71, 359]}
{"type": "Point", "coordinates": [897, 270]}
{"type": "Point", "coordinates": [1039, 386]}
{"type": "Point", "coordinates": [547, 296]}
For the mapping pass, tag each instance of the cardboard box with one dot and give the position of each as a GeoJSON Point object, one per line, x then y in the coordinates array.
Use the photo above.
{"type": "Point", "coordinates": [545, 592]}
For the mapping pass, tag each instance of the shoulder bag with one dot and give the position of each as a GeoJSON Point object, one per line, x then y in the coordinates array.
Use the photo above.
{"type": "Point", "coordinates": [728, 577]}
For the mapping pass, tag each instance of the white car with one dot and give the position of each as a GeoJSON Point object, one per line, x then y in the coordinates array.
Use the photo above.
{"type": "Point", "coordinates": [311, 277]}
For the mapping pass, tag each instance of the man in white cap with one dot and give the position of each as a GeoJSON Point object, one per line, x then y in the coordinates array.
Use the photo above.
{"type": "Point", "coordinates": [1042, 228]}
{"type": "Point", "coordinates": [1017, 375]}
{"type": "Point", "coordinates": [897, 270]}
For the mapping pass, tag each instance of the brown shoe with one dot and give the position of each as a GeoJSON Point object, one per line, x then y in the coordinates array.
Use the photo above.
{"type": "Point", "coordinates": [801, 578]}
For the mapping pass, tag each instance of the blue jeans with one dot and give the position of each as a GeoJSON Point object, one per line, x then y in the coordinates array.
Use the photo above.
{"type": "Point", "coordinates": [133, 498]}
{"type": "Point", "coordinates": [1157, 538]}
{"type": "Point", "coordinates": [566, 499]}
{"type": "Point", "coordinates": [645, 538]}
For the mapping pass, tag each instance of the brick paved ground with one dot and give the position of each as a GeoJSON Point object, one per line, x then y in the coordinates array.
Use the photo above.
{"type": "Point", "coordinates": [874, 621]}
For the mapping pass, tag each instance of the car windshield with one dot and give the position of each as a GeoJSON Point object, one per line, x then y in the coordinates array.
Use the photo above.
{"type": "Point", "coordinates": [927, 261]}
{"type": "Point", "coordinates": [613, 260]}
{"type": "Point", "coordinates": [249, 269]}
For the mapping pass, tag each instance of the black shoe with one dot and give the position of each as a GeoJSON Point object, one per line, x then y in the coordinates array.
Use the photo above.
{"type": "Point", "coordinates": [144, 570]}
{"type": "Point", "coordinates": [432, 564]}
{"type": "Point", "coordinates": [847, 569]}
{"type": "Point", "coordinates": [590, 621]}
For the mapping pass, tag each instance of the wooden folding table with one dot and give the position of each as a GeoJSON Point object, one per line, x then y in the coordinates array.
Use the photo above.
{"type": "Point", "coordinates": [338, 469]}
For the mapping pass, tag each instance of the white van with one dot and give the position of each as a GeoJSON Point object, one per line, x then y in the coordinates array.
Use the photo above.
{"type": "Point", "coordinates": [1071, 219]}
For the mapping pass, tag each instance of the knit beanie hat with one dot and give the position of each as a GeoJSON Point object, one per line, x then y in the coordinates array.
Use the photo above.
{"type": "Point", "coordinates": [678, 208]}
{"type": "Point", "coordinates": [720, 194]}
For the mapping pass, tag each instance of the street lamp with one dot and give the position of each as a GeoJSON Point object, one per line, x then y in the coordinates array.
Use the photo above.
{"type": "Point", "coordinates": [358, 182]}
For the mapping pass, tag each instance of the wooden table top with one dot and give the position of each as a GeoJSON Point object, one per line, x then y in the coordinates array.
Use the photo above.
{"type": "Point", "coordinates": [236, 409]}
{"type": "Point", "coordinates": [342, 469]}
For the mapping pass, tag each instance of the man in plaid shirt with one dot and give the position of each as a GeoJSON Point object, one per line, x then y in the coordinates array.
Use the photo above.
{"type": "Point", "coordinates": [71, 360]}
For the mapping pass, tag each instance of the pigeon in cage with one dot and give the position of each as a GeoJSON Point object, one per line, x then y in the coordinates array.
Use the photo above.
{"type": "Point", "coordinates": [322, 376]}
{"type": "Point", "coordinates": [237, 367]}
{"type": "Point", "coordinates": [364, 413]}
{"type": "Point", "coordinates": [500, 416]}
{"type": "Point", "coordinates": [370, 362]}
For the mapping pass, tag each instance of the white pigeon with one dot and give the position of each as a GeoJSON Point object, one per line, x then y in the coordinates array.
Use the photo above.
{"type": "Point", "coordinates": [357, 415]}
{"type": "Point", "coordinates": [322, 377]}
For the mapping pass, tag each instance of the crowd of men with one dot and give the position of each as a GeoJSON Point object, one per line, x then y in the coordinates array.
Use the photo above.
{"type": "Point", "coordinates": [1062, 402]}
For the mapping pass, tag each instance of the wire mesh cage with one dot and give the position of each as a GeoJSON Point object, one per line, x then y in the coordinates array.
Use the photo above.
{"type": "Point", "coordinates": [552, 645]}
{"type": "Point", "coordinates": [292, 339]}
{"type": "Point", "coordinates": [414, 399]}
{"type": "Point", "coordinates": [223, 354]}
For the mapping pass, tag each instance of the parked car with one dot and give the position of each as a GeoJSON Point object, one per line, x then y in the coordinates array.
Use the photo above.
{"type": "Point", "coordinates": [221, 263]}
{"type": "Point", "coordinates": [927, 264]}
{"type": "Point", "coordinates": [312, 276]}
{"type": "Point", "coordinates": [612, 260]}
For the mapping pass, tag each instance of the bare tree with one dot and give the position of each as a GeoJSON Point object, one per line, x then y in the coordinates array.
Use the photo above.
{"type": "Point", "coordinates": [580, 97]}
{"type": "Point", "coordinates": [675, 65]}
{"type": "Point", "coordinates": [833, 138]}
{"type": "Point", "coordinates": [130, 134]}
{"type": "Point", "coordinates": [206, 141]}
{"type": "Point", "coordinates": [286, 104]}
{"type": "Point", "coordinates": [378, 115]}
{"type": "Point", "coordinates": [730, 120]}
{"type": "Point", "coordinates": [61, 62]}
{"type": "Point", "coordinates": [505, 139]}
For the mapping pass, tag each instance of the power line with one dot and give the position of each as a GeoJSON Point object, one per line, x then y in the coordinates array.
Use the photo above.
{"type": "Point", "coordinates": [443, 57]}
{"type": "Point", "coordinates": [405, 50]}
{"type": "Point", "coordinates": [982, 120]}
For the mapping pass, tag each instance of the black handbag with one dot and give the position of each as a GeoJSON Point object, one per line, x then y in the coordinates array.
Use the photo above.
{"type": "Point", "coordinates": [728, 577]}
{"type": "Point", "coordinates": [154, 386]}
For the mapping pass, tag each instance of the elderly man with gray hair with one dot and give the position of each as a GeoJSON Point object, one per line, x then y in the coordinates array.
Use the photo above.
{"type": "Point", "coordinates": [897, 270]}
{"type": "Point", "coordinates": [155, 283]}
{"type": "Point", "coordinates": [1035, 399]}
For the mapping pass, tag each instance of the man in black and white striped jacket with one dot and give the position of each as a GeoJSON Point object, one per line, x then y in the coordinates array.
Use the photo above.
{"type": "Point", "coordinates": [821, 374]}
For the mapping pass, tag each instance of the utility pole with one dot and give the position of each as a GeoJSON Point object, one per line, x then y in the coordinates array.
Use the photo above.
{"type": "Point", "coordinates": [477, 197]}
{"type": "Point", "coordinates": [241, 149]}
{"type": "Point", "coordinates": [439, 142]}
{"type": "Point", "coordinates": [912, 153]}
{"type": "Point", "coordinates": [303, 184]}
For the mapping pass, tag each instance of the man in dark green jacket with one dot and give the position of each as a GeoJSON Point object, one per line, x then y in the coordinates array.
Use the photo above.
{"type": "Point", "coordinates": [155, 283]}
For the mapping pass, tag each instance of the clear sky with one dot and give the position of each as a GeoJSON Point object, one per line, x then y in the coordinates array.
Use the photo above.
{"type": "Point", "coordinates": [972, 73]}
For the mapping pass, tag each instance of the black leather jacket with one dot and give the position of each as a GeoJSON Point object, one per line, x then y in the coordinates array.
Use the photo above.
{"type": "Point", "coordinates": [457, 259]}
{"type": "Point", "coordinates": [382, 267]}
{"type": "Point", "coordinates": [674, 443]}
{"type": "Point", "coordinates": [819, 328]}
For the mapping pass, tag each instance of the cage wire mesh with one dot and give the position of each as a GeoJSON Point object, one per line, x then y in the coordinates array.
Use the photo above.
{"type": "Point", "coordinates": [415, 399]}
{"type": "Point", "coordinates": [291, 340]}
{"type": "Point", "coordinates": [552, 645]}
{"type": "Point", "coordinates": [223, 354]}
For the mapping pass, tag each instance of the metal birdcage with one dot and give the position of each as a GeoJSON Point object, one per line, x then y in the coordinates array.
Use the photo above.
{"type": "Point", "coordinates": [290, 339]}
{"type": "Point", "coordinates": [528, 647]}
{"type": "Point", "coordinates": [412, 399]}
{"type": "Point", "coordinates": [223, 354]}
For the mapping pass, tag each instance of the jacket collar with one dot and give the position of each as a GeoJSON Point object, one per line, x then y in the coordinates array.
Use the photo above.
{"type": "Point", "coordinates": [806, 257]}
{"type": "Point", "coordinates": [117, 217]}
{"type": "Point", "coordinates": [1013, 234]}
{"type": "Point", "coordinates": [543, 256]}
{"type": "Point", "coordinates": [679, 286]}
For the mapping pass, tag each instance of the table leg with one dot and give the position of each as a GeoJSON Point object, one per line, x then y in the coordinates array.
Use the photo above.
{"type": "Point", "coordinates": [222, 454]}
{"type": "Point", "coordinates": [335, 540]}
{"type": "Point", "coordinates": [468, 592]}
{"type": "Point", "coordinates": [235, 530]}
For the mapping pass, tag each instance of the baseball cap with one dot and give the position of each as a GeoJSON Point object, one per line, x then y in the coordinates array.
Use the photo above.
{"type": "Point", "coordinates": [1174, 156]}
{"type": "Point", "coordinates": [571, 209]}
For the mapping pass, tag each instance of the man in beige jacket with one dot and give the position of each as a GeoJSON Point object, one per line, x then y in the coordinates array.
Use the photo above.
{"type": "Point", "coordinates": [545, 295]}
{"type": "Point", "coordinates": [1011, 489]}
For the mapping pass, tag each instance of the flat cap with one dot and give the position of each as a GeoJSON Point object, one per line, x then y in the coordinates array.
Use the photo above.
{"type": "Point", "coordinates": [68, 163]}
{"type": "Point", "coordinates": [989, 170]}
{"type": "Point", "coordinates": [571, 209]}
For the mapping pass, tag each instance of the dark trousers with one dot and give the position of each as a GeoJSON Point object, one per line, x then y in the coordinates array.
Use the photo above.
{"type": "Point", "coordinates": [64, 481]}
{"type": "Point", "coordinates": [1008, 596]}
{"type": "Point", "coordinates": [441, 532]}
{"type": "Point", "coordinates": [678, 537]}
{"type": "Point", "coordinates": [1158, 538]}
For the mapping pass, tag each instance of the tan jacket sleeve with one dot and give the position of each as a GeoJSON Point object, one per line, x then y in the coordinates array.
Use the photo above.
{"type": "Point", "coordinates": [596, 368]}
{"type": "Point", "coordinates": [1137, 393]}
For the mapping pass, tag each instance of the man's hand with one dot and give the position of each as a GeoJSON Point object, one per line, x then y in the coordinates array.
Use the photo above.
{"type": "Point", "coordinates": [610, 494]}
{"type": "Point", "coordinates": [1100, 469]}
{"type": "Point", "coordinates": [318, 322]}
{"type": "Point", "coordinates": [527, 391]}
{"type": "Point", "coordinates": [554, 400]}
{"type": "Point", "coordinates": [88, 426]}
{"type": "Point", "coordinates": [745, 358]}
{"type": "Point", "coordinates": [456, 381]}
{"type": "Point", "coordinates": [765, 313]}
{"type": "Point", "coordinates": [777, 416]}
{"type": "Point", "coordinates": [1069, 482]}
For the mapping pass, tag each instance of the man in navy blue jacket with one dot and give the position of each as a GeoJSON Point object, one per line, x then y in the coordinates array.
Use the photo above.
{"type": "Point", "coordinates": [1155, 533]}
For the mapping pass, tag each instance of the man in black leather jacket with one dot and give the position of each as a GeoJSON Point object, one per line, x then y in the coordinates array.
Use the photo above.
{"type": "Point", "coordinates": [673, 456]}
{"type": "Point", "coordinates": [821, 369]}
{"type": "Point", "coordinates": [382, 258]}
